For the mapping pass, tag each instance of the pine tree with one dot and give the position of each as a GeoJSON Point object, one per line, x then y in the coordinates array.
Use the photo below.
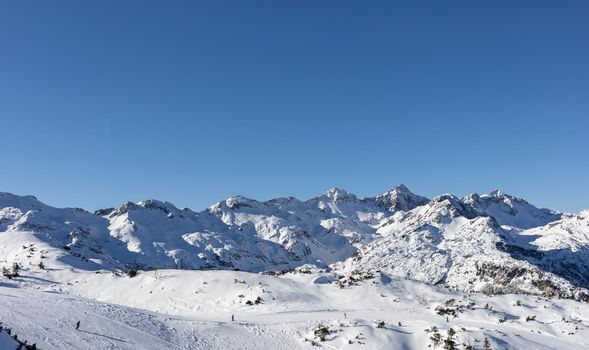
{"type": "Point", "coordinates": [486, 344]}
{"type": "Point", "coordinates": [449, 343]}
{"type": "Point", "coordinates": [436, 338]}
{"type": "Point", "coordinates": [15, 269]}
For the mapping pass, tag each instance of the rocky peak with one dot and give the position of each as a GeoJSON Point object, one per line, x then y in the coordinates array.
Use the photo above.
{"type": "Point", "coordinates": [510, 210]}
{"type": "Point", "coordinates": [125, 208]}
{"type": "Point", "coordinates": [238, 202]}
{"type": "Point", "coordinates": [455, 206]}
{"type": "Point", "coordinates": [338, 195]}
{"type": "Point", "coordinates": [155, 204]}
{"type": "Point", "coordinates": [400, 198]}
{"type": "Point", "coordinates": [104, 211]}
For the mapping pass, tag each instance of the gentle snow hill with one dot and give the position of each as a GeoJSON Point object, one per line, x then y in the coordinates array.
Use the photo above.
{"type": "Point", "coordinates": [181, 309]}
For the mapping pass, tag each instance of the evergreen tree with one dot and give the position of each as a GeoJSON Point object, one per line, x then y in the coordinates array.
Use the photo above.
{"type": "Point", "coordinates": [15, 269]}
{"type": "Point", "coordinates": [449, 343]}
{"type": "Point", "coordinates": [436, 338]}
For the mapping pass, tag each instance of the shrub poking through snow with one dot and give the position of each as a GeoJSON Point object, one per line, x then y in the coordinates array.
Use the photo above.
{"type": "Point", "coordinates": [450, 302]}
{"type": "Point", "coordinates": [256, 301]}
{"type": "Point", "coordinates": [132, 273]}
{"type": "Point", "coordinates": [10, 274]}
{"type": "Point", "coordinates": [449, 343]}
{"type": "Point", "coordinates": [353, 279]}
{"type": "Point", "coordinates": [436, 338]}
{"type": "Point", "coordinates": [15, 269]}
{"type": "Point", "coordinates": [380, 324]}
{"type": "Point", "coordinates": [444, 311]}
{"type": "Point", "coordinates": [321, 332]}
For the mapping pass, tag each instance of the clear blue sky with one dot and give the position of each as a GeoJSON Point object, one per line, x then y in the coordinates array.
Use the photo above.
{"type": "Point", "coordinates": [195, 101]}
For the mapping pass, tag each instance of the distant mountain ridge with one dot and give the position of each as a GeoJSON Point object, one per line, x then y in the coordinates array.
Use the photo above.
{"type": "Point", "coordinates": [493, 243]}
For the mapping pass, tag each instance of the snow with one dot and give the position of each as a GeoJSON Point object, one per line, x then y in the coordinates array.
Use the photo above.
{"type": "Point", "coordinates": [449, 243]}
{"type": "Point", "coordinates": [236, 233]}
{"type": "Point", "coordinates": [510, 210]}
{"type": "Point", "coordinates": [335, 261]}
{"type": "Point", "coordinates": [181, 309]}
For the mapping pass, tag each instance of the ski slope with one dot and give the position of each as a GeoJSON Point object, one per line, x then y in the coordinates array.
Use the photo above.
{"type": "Point", "coordinates": [173, 309]}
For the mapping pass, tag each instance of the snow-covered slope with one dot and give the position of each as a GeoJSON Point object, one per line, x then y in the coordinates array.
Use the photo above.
{"type": "Point", "coordinates": [562, 246]}
{"type": "Point", "coordinates": [400, 198]}
{"type": "Point", "coordinates": [236, 233]}
{"type": "Point", "coordinates": [81, 236]}
{"type": "Point", "coordinates": [243, 233]}
{"type": "Point", "coordinates": [511, 211]}
{"type": "Point", "coordinates": [68, 265]}
{"type": "Point", "coordinates": [164, 236]}
{"type": "Point", "coordinates": [494, 242]}
{"type": "Point", "coordinates": [179, 309]}
{"type": "Point", "coordinates": [453, 243]}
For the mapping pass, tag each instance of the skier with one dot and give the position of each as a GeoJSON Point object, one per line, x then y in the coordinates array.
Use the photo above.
{"type": "Point", "coordinates": [345, 316]}
{"type": "Point", "coordinates": [78, 325]}
{"type": "Point", "coordinates": [232, 317]}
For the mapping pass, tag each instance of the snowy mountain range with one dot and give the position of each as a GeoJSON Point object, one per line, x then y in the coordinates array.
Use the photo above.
{"type": "Point", "coordinates": [493, 243]}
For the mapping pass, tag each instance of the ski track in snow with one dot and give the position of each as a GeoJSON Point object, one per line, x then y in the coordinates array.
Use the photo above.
{"type": "Point", "coordinates": [49, 317]}
{"type": "Point", "coordinates": [107, 326]}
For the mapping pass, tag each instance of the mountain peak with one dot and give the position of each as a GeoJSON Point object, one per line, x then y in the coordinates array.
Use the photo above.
{"type": "Point", "coordinates": [456, 206]}
{"type": "Point", "coordinates": [22, 202]}
{"type": "Point", "coordinates": [510, 210]}
{"type": "Point", "coordinates": [401, 188]}
{"type": "Point", "coordinates": [500, 195]}
{"type": "Point", "coordinates": [337, 195]}
{"type": "Point", "coordinates": [335, 191]}
{"type": "Point", "coordinates": [240, 201]}
{"type": "Point", "coordinates": [401, 198]}
{"type": "Point", "coordinates": [157, 204]}
{"type": "Point", "coordinates": [497, 193]}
